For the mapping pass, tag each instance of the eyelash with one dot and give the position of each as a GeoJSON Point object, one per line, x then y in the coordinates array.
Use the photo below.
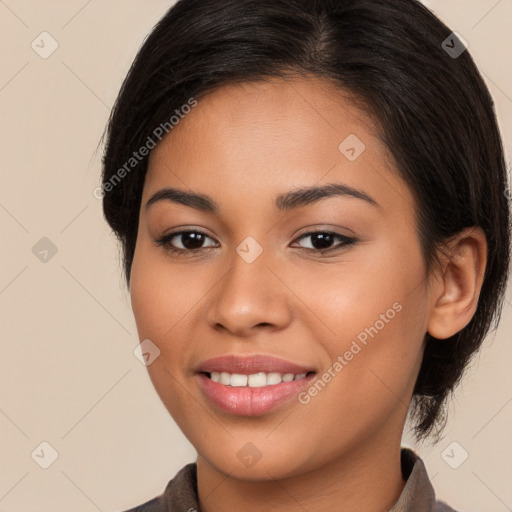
{"type": "Point", "coordinates": [165, 241]}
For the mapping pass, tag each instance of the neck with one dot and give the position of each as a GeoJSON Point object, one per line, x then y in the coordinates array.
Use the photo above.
{"type": "Point", "coordinates": [367, 478]}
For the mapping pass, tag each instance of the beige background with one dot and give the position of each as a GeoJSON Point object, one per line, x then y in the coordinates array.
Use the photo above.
{"type": "Point", "coordinates": [67, 370]}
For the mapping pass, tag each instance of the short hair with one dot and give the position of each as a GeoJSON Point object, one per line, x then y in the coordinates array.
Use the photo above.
{"type": "Point", "coordinates": [431, 106]}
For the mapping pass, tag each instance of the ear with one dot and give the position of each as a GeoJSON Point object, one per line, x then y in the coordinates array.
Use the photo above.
{"type": "Point", "coordinates": [457, 289]}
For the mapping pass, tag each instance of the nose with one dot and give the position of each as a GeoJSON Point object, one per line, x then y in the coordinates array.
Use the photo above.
{"type": "Point", "coordinates": [249, 297]}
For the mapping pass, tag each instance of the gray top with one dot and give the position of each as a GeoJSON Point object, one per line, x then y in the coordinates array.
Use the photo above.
{"type": "Point", "coordinates": [418, 495]}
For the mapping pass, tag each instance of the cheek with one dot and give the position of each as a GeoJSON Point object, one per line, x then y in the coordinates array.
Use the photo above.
{"type": "Point", "coordinates": [161, 294]}
{"type": "Point", "coordinates": [377, 318]}
{"type": "Point", "coordinates": [350, 295]}
{"type": "Point", "coordinates": [158, 305]}
{"type": "Point", "coordinates": [165, 299]}
{"type": "Point", "coordinates": [371, 377]}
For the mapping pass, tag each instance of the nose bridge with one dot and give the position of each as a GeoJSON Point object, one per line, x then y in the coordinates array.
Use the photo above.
{"type": "Point", "coordinates": [249, 294]}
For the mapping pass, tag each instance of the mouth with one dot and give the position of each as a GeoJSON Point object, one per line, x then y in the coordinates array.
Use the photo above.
{"type": "Point", "coordinates": [251, 385]}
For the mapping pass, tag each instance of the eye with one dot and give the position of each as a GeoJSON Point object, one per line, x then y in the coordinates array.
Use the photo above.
{"type": "Point", "coordinates": [322, 240]}
{"type": "Point", "coordinates": [187, 241]}
{"type": "Point", "coordinates": [192, 241]}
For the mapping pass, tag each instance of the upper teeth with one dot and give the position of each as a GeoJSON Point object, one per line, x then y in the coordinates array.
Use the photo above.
{"type": "Point", "coordinates": [255, 380]}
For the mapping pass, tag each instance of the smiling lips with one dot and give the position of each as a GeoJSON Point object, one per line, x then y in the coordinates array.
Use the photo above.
{"type": "Point", "coordinates": [253, 385]}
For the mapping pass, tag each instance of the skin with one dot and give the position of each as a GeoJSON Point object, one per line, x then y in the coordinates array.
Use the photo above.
{"type": "Point", "coordinates": [242, 145]}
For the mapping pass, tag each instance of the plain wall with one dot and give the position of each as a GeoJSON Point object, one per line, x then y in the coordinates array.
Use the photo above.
{"type": "Point", "coordinates": [67, 370]}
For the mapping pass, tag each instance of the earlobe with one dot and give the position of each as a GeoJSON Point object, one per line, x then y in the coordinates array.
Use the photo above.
{"type": "Point", "coordinates": [455, 297]}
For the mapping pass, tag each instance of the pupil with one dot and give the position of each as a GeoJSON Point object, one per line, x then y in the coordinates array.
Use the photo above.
{"type": "Point", "coordinates": [192, 240]}
{"type": "Point", "coordinates": [324, 240]}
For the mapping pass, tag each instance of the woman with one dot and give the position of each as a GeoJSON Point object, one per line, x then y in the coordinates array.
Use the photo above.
{"type": "Point", "coordinates": [310, 200]}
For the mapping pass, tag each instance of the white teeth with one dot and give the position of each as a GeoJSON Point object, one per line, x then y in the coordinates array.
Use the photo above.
{"type": "Point", "coordinates": [238, 380]}
{"type": "Point", "coordinates": [273, 378]}
{"type": "Point", "coordinates": [255, 380]}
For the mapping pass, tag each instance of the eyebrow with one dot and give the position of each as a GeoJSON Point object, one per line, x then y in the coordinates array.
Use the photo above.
{"type": "Point", "coordinates": [284, 202]}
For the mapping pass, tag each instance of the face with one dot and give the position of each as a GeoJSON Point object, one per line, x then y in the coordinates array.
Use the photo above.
{"type": "Point", "coordinates": [275, 281]}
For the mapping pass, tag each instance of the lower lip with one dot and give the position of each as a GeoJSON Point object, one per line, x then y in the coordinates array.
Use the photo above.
{"type": "Point", "coordinates": [246, 401]}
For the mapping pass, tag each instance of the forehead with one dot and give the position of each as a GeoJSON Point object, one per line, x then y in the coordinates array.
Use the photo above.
{"type": "Point", "coordinates": [271, 134]}
{"type": "Point", "coordinates": [302, 107]}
